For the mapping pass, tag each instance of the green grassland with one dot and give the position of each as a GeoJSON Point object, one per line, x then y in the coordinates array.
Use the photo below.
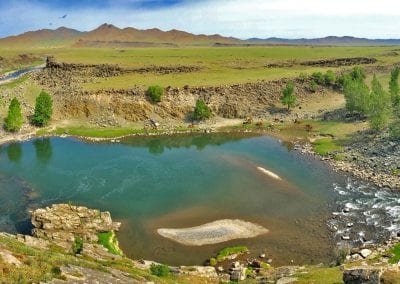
{"type": "Point", "coordinates": [219, 65]}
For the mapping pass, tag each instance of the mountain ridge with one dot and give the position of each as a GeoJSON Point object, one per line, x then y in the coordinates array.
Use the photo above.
{"type": "Point", "coordinates": [108, 35]}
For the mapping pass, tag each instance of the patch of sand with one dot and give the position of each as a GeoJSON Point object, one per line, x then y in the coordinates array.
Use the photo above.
{"type": "Point", "coordinates": [213, 233]}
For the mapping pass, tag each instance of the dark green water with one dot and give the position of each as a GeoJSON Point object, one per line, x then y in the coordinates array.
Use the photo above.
{"type": "Point", "coordinates": [150, 183]}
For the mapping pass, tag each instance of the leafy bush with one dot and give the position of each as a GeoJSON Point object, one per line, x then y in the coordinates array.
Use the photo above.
{"type": "Point", "coordinates": [313, 86]}
{"type": "Point", "coordinates": [342, 79]}
{"type": "Point", "coordinates": [43, 109]}
{"type": "Point", "coordinates": [14, 120]}
{"type": "Point", "coordinates": [77, 246]}
{"type": "Point", "coordinates": [395, 130]}
{"type": "Point", "coordinates": [288, 98]}
{"type": "Point", "coordinates": [358, 74]}
{"type": "Point", "coordinates": [155, 93]}
{"type": "Point", "coordinates": [329, 78]}
{"type": "Point", "coordinates": [201, 110]}
{"type": "Point", "coordinates": [318, 77]}
{"type": "Point", "coordinates": [160, 270]}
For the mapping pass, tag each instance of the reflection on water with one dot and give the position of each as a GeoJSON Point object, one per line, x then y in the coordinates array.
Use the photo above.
{"type": "Point", "coordinates": [14, 152]}
{"type": "Point", "coordinates": [150, 183]}
{"type": "Point", "coordinates": [44, 150]}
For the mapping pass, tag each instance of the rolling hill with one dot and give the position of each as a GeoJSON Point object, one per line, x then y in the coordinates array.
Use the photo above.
{"type": "Point", "coordinates": [108, 35]}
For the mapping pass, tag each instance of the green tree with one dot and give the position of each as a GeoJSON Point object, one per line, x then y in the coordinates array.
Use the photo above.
{"type": "Point", "coordinates": [201, 110]}
{"type": "Point", "coordinates": [288, 97]}
{"type": "Point", "coordinates": [395, 89]}
{"type": "Point", "coordinates": [155, 93]}
{"type": "Point", "coordinates": [43, 109]}
{"type": "Point", "coordinates": [380, 106]}
{"type": "Point", "coordinates": [14, 120]}
{"type": "Point", "coordinates": [357, 95]}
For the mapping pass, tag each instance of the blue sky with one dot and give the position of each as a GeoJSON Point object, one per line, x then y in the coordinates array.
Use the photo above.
{"type": "Point", "coordinates": [238, 18]}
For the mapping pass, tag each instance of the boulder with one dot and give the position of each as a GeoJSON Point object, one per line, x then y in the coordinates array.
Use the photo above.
{"type": "Point", "coordinates": [365, 253]}
{"type": "Point", "coordinates": [362, 275]}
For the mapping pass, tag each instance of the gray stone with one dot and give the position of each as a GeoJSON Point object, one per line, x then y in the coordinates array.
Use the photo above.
{"type": "Point", "coordinates": [365, 253]}
{"type": "Point", "coordinates": [362, 275]}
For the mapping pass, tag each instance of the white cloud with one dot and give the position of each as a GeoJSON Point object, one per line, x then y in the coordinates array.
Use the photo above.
{"type": "Point", "coordinates": [239, 18]}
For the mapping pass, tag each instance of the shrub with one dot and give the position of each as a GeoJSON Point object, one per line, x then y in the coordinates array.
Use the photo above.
{"type": "Point", "coordinates": [213, 261]}
{"type": "Point", "coordinates": [318, 77]}
{"type": "Point", "coordinates": [77, 246]}
{"type": "Point", "coordinates": [155, 93]}
{"type": "Point", "coordinates": [342, 79]}
{"type": "Point", "coordinates": [358, 74]}
{"type": "Point", "coordinates": [288, 98]}
{"type": "Point", "coordinates": [160, 270]}
{"type": "Point", "coordinates": [201, 110]}
{"type": "Point", "coordinates": [313, 86]}
{"type": "Point", "coordinates": [303, 76]}
{"type": "Point", "coordinates": [14, 120]}
{"type": "Point", "coordinates": [43, 109]}
{"type": "Point", "coordinates": [329, 78]}
{"type": "Point", "coordinates": [395, 130]}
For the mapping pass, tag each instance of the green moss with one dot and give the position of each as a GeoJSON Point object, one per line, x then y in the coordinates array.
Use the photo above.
{"type": "Point", "coordinates": [325, 146]}
{"type": "Point", "coordinates": [396, 254]}
{"type": "Point", "coordinates": [226, 252]}
{"type": "Point", "coordinates": [110, 242]}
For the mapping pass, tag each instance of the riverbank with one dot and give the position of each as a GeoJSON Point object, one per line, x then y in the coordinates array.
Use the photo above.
{"type": "Point", "coordinates": [372, 158]}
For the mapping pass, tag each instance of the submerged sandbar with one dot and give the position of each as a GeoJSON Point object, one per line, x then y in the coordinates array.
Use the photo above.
{"type": "Point", "coordinates": [213, 233]}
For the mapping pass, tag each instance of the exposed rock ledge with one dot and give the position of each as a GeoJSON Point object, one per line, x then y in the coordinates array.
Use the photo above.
{"type": "Point", "coordinates": [214, 232]}
{"type": "Point", "coordinates": [64, 225]}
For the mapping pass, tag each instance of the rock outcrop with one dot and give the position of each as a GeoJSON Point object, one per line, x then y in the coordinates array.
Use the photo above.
{"type": "Point", "coordinates": [64, 223]}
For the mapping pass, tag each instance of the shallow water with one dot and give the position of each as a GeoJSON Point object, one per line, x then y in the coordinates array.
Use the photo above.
{"type": "Point", "coordinates": [174, 182]}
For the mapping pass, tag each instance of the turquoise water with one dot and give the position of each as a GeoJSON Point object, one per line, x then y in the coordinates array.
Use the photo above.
{"type": "Point", "coordinates": [164, 182]}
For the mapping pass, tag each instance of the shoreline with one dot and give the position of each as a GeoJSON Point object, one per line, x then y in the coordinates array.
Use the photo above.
{"type": "Point", "coordinates": [380, 180]}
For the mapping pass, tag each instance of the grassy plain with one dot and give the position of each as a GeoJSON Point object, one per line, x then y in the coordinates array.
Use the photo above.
{"type": "Point", "coordinates": [219, 65]}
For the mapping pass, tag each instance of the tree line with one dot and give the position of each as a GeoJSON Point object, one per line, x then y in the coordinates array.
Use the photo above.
{"type": "Point", "coordinates": [41, 117]}
{"type": "Point", "coordinates": [380, 106]}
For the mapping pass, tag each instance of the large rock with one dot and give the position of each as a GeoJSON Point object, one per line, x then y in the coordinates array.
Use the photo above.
{"type": "Point", "coordinates": [63, 223]}
{"type": "Point", "coordinates": [362, 275]}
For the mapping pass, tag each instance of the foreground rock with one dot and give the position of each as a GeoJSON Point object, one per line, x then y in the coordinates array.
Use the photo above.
{"type": "Point", "coordinates": [69, 226]}
{"type": "Point", "coordinates": [365, 275]}
{"type": "Point", "coordinates": [214, 232]}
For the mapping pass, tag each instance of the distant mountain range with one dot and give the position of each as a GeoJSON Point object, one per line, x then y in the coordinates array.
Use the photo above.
{"type": "Point", "coordinates": [330, 40]}
{"type": "Point", "coordinates": [108, 35]}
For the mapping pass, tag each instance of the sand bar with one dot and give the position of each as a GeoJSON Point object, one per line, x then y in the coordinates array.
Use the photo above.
{"type": "Point", "coordinates": [213, 233]}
